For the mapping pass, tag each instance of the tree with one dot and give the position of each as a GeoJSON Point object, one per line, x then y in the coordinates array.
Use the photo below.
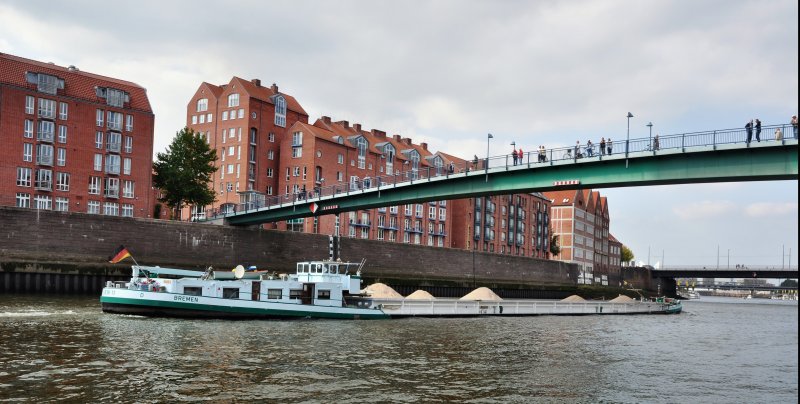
{"type": "Point", "coordinates": [555, 248]}
{"type": "Point", "coordinates": [626, 255]}
{"type": "Point", "coordinates": [789, 283]}
{"type": "Point", "coordinates": [184, 172]}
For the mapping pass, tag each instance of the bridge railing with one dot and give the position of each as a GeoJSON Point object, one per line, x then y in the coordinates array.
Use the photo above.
{"type": "Point", "coordinates": [681, 143]}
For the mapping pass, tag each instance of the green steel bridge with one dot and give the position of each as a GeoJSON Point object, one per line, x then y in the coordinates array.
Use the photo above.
{"type": "Point", "coordinates": [700, 157]}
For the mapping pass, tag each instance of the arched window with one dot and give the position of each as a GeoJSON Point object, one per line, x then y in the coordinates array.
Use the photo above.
{"type": "Point", "coordinates": [280, 111]}
{"type": "Point", "coordinates": [361, 145]}
{"type": "Point", "coordinates": [202, 105]}
{"type": "Point", "coordinates": [438, 163]}
{"type": "Point", "coordinates": [414, 156]}
{"type": "Point", "coordinates": [388, 153]}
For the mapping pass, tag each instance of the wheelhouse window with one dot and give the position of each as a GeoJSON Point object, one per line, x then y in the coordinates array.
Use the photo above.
{"type": "Point", "coordinates": [230, 293]}
{"type": "Point", "coordinates": [295, 294]}
{"type": "Point", "coordinates": [193, 290]}
{"type": "Point", "coordinates": [323, 294]}
{"type": "Point", "coordinates": [274, 294]}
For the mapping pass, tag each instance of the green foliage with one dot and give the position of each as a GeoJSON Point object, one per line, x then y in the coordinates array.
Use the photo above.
{"type": "Point", "coordinates": [789, 283]}
{"type": "Point", "coordinates": [555, 248]}
{"type": "Point", "coordinates": [626, 255]}
{"type": "Point", "coordinates": [184, 172]}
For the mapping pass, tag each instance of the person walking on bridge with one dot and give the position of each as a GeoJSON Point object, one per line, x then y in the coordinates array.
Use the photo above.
{"type": "Point", "coordinates": [794, 125]}
{"type": "Point", "coordinates": [749, 129]}
{"type": "Point", "coordinates": [513, 155]}
{"type": "Point", "coordinates": [519, 155]}
{"type": "Point", "coordinates": [602, 146]}
{"type": "Point", "coordinates": [609, 146]}
{"type": "Point", "coordinates": [758, 130]}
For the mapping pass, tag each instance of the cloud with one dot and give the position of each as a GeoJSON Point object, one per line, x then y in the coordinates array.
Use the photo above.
{"type": "Point", "coordinates": [704, 209]}
{"type": "Point", "coordinates": [768, 209]}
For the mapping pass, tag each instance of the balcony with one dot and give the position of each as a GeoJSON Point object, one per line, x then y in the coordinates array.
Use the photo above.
{"type": "Point", "coordinates": [111, 193]}
{"type": "Point", "coordinates": [114, 125]}
{"type": "Point", "coordinates": [45, 136]}
{"type": "Point", "coordinates": [46, 185]}
{"type": "Point", "coordinates": [44, 160]}
{"type": "Point", "coordinates": [47, 113]}
{"type": "Point", "coordinates": [361, 223]}
{"type": "Point", "coordinates": [113, 147]}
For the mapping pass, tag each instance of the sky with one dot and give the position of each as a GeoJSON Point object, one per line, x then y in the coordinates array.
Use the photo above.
{"type": "Point", "coordinates": [449, 72]}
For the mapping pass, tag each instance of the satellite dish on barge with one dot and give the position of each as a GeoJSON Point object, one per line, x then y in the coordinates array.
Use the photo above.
{"type": "Point", "coordinates": [238, 272]}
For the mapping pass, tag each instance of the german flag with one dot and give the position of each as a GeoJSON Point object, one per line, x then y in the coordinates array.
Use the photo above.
{"type": "Point", "coordinates": [119, 255]}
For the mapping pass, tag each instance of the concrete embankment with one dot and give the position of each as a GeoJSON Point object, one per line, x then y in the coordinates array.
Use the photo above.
{"type": "Point", "coordinates": [68, 252]}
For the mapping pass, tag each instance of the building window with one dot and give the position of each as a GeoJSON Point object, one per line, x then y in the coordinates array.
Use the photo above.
{"type": "Point", "coordinates": [44, 180]}
{"type": "Point", "coordinates": [224, 115]}
{"type": "Point", "coordinates": [46, 131]}
{"type": "Point", "coordinates": [61, 157]}
{"type": "Point", "coordinates": [362, 145]}
{"type": "Point", "coordinates": [23, 200]}
{"type": "Point", "coordinates": [129, 123]}
{"type": "Point", "coordinates": [47, 108]}
{"type": "Point", "coordinates": [99, 115]}
{"type": "Point", "coordinates": [127, 210]}
{"type": "Point", "coordinates": [62, 204]}
{"type": "Point", "coordinates": [114, 121]}
{"type": "Point", "coordinates": [233, 100]}
{"type": "Point", "coordinates": [115, 98]}
{"type": "Point", "coordinates": [98, 140]}
{"type": "Point", "coordinates": [128, 144]}
{"type": "Point", "coordinates": [126, 166]}
{"type": "Point", "coordinates": [62, 181]}
{"type": "Point", "coordinates": [202, 105]}
{"type": "Point", "coordinates": [111, 187]}
{"type": "Point", "coordinates": [202, 118]}
{"type": "Point", "coordinates": [94, 185]}
{"type": "Point", "coordinates": [93, 207]}
{"type": "Point", "coordinates": [340, 158]}
{"type": "Point", "coordinates": [29, 104]}
{"type": "Point", "coordinates": [269, 173]}
{"type": "Point", "coordinates": [271, 155]}
{"type": "Point", "coordinates": [23, 177]}
{"type": "Point", "coordinates": [241, 113]}
{"type": "Point", "coordinates": [297, 152]}
{"type": "Point", "coordinates": [128, 189]}
{"type": "Point", "coordinates": [111, 209]}
{"type": "Point", "coordinates": [62, 111]}
{"type": "Point", "coordinates": [27, 152]}
{"type": "Point", "coordinates": [44, 154]}
{"type": "Point", "coordinates": [112, 164]}
{"type": "Point", "coordinates": [194, 119]}
{"type": "Point", "coordinates": [271, 137]}
{"type": "Point", "coordinates": [62, 134]}
{"type": "Point", "coordinates": [28, 129]}
{"type": "Point", "coordinates": [280, 112]}
{"type": "Point", "coordinates": [43, 202]}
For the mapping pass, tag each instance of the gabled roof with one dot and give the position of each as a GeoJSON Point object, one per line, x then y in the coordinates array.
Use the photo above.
{"type": "Point", "coordinates": [563, 198]}
{"type": "Point", "coordinates": [266, 94]}
{"type": "Point", "coordinates": [77, 83]}
{"type": "Point", "coordinates": [613, 239]}
{"type": "Point", "coordinates": [317, 132]}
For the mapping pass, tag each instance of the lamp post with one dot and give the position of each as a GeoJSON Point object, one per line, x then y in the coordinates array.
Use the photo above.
{"type": "Point", "coordinates": [650, 127]}
{"type": "Point", "coordinates": [513, 152]}
{"type": "Point", "coordinates": [488, 137]}
{"type": "Point", "coordinates": [628, 139]}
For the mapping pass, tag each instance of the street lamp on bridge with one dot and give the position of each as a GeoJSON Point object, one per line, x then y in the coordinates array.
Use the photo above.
{"type": "Point", "coordinates": [488, 137]}
{"type": "Point", "coordinates": [650, 126]}
{"type": "Point", "coordinates": [628, 139]}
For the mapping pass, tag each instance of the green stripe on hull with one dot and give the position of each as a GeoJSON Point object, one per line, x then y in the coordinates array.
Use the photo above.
{"type": "Point", "coordinates": [242, 310]}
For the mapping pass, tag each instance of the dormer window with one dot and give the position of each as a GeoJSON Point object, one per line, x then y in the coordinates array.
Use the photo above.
{"type": "Point", "coordinates": [413, 155]}
{"type": "Point", "coordinates": [45, 83]}
{"type": "Point", "coordinates": [438, 163]}
{"type": "Point", "coordinates": [388, 152]}
{"type": "Point", "coordinates": [114, 97]}
{"type": "Point", "coordinates": [361, 145]}
{"type": "Point", "coordinates": [280, 111]}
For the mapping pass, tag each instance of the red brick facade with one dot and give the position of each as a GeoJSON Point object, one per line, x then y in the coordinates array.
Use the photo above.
{"type": "Point", "coordinates": [74, 141]}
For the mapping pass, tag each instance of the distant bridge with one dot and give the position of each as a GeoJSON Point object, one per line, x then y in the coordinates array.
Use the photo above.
{"type": "Point", "coordinates": [744, 287]}
{"type": "Point", "coordinates": [746, 273]}
{"type": "Point", "coordinates": [701, 157]}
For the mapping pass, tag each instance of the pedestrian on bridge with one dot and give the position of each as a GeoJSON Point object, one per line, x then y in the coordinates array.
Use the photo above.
{"type": "Point", "coordinates": [609, 146]}
{"type": "Point", "coordinates": [519, 155]}
{"type": "Point", "coordinates": [655, 143]}
{"type": "Point", "coordinates": [513, 155]}
{"type": "Point", "coordinates": [778, 134]}
{"type": "Point", "coordinates": [749, 129]}
{"type": "Point", "coordinates": [758, 130]}
{"type": "Point", "coordinates": [794, 125]}
{"type": "Point", "coordinates": [589, 148]}
{"type": "Point", "coordinates": [602, 146]}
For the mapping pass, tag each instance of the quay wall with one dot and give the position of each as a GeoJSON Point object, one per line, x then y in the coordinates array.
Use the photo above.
{"type": "Point", "coordinates": [39, 250]}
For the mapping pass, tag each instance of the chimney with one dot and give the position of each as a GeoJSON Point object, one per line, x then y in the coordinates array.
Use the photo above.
{"type": "Point", "coordinates": [396, 137]}
{"type": "Point", "coordinates": [343, 123]}
{"type": "Point", "coordinates": [407, 140]}
{"type": "Point", "coordinates": [274, 88]}
{"type": "Point", "coordinates": [257, 82]}
{"type": "Point", "coordinates": [357, 127]}
{"type": "Point", "coordinates": [378, 133]}
{"type": "Point", "coordinates": [424, 146]}
{"type": "Point", "coordinates": [326, 119]}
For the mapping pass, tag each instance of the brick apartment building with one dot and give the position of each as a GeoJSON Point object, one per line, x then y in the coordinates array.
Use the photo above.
{"type": "Point", "coordinates": [74, 141]}
{"type": "Point", "coordinates": [245, 122]}
{"type": "Point", "coordinates": [580, 220]}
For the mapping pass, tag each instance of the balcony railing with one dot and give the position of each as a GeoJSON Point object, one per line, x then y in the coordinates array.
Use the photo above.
{"type": "Point", "coordinates": [44, 160]}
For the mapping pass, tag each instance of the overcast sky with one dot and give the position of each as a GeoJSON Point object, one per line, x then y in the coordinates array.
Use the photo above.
{"type": "Point", "coordinates": [448, 72]}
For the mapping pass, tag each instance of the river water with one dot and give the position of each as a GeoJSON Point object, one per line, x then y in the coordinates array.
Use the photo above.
{"type": "Point", "coordinates": [717, 350]}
